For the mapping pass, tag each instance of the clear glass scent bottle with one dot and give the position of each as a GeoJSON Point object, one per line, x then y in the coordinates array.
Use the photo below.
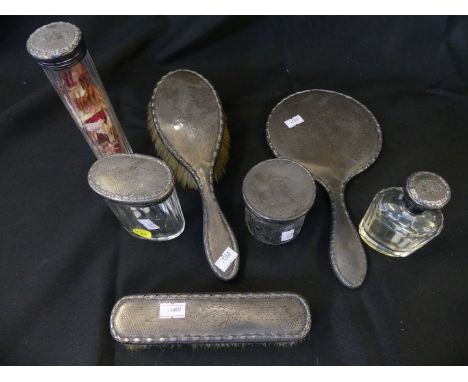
{"type": "Point", "coordinates": [400, 221]}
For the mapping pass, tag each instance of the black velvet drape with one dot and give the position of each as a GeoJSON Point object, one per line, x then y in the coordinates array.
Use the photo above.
{"type": "Point", "coordinates": [64, 259]}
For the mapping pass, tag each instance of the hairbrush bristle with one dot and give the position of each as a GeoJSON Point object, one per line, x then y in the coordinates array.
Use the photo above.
{"type": "Point", "coordinates": [181, 174]}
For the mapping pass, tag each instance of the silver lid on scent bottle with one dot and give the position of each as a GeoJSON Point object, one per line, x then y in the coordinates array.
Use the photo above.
{"type": "Point", "coordinates": [57, 45]}
{"type": "Point", "coordinates": [131, 179]}
{"type": "Point", "coordinates": [428, 191]}
{"type": "Point", "coordinates": [279, 190]}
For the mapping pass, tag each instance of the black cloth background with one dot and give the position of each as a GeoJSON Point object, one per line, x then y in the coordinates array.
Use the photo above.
{"type": "Point", "coordinates": [65, 260]}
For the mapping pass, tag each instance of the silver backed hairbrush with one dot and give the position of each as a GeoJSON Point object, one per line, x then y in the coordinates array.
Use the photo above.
{"type": "Point", "coordinates": [188, 118]}
{"type": "Point", "coordinates": [210, 319]}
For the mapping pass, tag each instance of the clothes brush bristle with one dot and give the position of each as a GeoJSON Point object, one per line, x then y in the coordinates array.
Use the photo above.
{"type": "Point", "coordinates": [142, 347]}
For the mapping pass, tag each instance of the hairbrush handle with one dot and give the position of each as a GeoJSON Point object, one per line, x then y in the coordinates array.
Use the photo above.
{"type": "Point", "coordinates": [220, 244]}
{"type": "Point", "coordinates": [347, 255]}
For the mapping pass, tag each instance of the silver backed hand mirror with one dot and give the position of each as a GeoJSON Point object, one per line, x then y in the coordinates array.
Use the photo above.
{"type": "Point", "coordinates": [335, 137]}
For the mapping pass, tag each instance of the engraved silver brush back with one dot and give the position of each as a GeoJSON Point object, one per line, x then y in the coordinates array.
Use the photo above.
{"type": "Point", "coordinates": [188, 117]}
{"type": "Point", "coordinates": [210, 318]}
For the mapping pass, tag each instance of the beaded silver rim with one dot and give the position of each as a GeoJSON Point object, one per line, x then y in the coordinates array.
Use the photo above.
{"type": "Point", "coordinates": [417, 186]}
{"type": "Point", "coordinates": [136, 198]}
{"type": "Point", "coordinates": [42, 54]}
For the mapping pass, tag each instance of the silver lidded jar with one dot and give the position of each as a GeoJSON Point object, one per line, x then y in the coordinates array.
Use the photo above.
{"type": "Point", "coordinates": [140, 190]}
{"type": "Point", "coordinates": [59, 48]}
{"type": "Point", "coordinates": [277, 193]}
{"type": "Point", "coordinates": [400, 221]}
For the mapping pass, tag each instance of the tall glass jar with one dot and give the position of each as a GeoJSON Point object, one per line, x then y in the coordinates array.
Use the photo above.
{"type": "Point", "coordinates": [139, 189]}
{"type": "Point", "coordinates": [60, 50]}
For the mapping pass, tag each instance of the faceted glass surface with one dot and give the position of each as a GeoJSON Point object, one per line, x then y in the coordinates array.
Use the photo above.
{"type": "Point", "coordinates": [83, 94]}
{"type": "Point", "coordinates": [392, 229]}
{"type": "Point", "coordinates": [272, 232]}
{"type": "Point", "coordinates": [158, 222]}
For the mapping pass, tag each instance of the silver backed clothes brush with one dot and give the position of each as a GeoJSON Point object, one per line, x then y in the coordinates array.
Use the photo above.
{"type": "Point", "coordinates": [335, 137]}
{"type": "Point", "coordinates": [188, 119]}
{"type": "Point", "coordinates": [210, 319]}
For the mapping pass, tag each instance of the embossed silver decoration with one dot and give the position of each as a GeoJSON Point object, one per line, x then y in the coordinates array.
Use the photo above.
{"type": "Point", "coordinates": [277, 193]}
{"type": "Point", "coordinates": [338, 138]}
{"type": "Point", "coordinates": [427, 190]}
{"type": "Point", "coordinates": [132, 179]}
{"type": "Point", "coordinates": [189, 119]}
{"type": "Point", "coordinates": [56, 44]}
{"type": "Point", "coordinates": [231, 318]}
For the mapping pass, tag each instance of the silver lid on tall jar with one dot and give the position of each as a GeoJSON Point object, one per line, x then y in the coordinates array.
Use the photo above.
{"type": "Point", "coordinates": [279, 190]}
{"type": "Point", "coordinates": [57, 45]}
{"type": "Point", "coordinates": [131, 179]}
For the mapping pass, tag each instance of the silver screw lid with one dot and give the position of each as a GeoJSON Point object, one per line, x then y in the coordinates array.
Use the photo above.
{"type": "Point", "coordinates": [427, 190]}
{"type": "Point", "coordinates": [56, 45]}
{"type": "Point", "coordinates": [132, 179]}
{"type": "Point", "coordinates": [279, 190]}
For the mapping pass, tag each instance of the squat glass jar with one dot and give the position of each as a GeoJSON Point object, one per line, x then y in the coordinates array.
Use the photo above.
{"type": "Point", "coordinates": [278, 193]}
{"type": "Point", "coordinates": [139, 189]}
